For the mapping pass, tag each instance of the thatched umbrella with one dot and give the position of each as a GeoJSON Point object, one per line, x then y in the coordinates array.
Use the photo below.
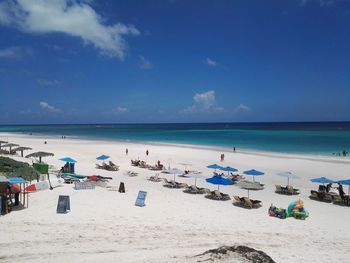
{"type": "Point", "coordinates": [21, 149]}
{"type": "Point", "coordinates": [10, 145]}
{"type": "Point", "coordinates": [2, 142]}
{"type": "Point", "coordinates": [40, 154]}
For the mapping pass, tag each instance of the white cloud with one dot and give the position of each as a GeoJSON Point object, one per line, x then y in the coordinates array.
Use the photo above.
{"type": "Point", "coordinates": [144, 63]}
{"type": "Point", "coordinates": [15, 52]}
{"type": "Point", "coordinates": [44, 105]}
{"type": "Point", "coordinates": [241, 108]}
{"type": "Point", "coordinates": [72, 17]}
{"type": "Point", "coordinates": [320, 2]}
{"type": "Point", "coordinates": [48, 83]}
{"type": "Point", "coordinates": [121, 109]}
{"type": "Point", "coordinates": [203, 102]}
{"type": "Point", "coordinates": [211, 62]}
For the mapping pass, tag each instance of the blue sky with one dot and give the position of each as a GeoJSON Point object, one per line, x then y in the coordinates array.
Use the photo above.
{"type": "Point", "coordinates": [174, 61]}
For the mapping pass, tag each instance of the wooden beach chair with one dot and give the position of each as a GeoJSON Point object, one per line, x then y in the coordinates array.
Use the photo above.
{"type": "Point", "coordinates": [292, 191]}
{"type": "Point", "coordinates": [279, 189]}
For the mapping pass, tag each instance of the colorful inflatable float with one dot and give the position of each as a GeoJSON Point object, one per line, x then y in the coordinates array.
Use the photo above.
{"type": "Point", "coordinates": [295, 209]}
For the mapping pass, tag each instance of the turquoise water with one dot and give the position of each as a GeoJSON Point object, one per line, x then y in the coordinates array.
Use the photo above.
{"type": "Point", "coordinates": [301, 138]}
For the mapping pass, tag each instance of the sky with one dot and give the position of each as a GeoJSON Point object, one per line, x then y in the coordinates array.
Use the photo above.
{"type": "Point", "coordinates": [71, 62]}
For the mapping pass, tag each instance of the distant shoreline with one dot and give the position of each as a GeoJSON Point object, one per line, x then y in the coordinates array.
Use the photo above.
{"type": "Point", "coordinates": [253, 152]}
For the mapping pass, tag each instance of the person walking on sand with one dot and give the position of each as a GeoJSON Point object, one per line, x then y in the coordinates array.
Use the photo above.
{"type": "Point", "coordinates": [126, 151]}
{"type": "Point", "coordinates": [147, 152]}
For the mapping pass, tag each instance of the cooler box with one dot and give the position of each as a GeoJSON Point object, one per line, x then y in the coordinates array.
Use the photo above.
{"type": "Point", "coordinates": [42, 168]}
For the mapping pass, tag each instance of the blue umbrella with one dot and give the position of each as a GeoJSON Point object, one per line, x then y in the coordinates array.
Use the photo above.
{"type": "Point", "coordinates": [253, 173]}
{"type": "Point", "coordinates": [228, 169]}
{"type": "Point", "coordinates": [103, 157]}
{"type": "Point", "coordinates": [214, 166]}
{"type": "Point", "coordinates": [322, 180]}
{"type": "Point", "coordinates": [219, 180]}
{"type": "Point", "coordinates": [68, 160]}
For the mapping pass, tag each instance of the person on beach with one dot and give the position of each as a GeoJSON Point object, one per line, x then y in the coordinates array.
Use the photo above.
{"type": "Point", "coordinates": [328, 187]}
{"type": "Point", "coordinates": [341, 191]}
{"type": "Point", "coordinates": [126, 151]}
{"type": "Point", "coordinates": [234, 149]}
{"type": "Point", "coordinates": [147, 152]}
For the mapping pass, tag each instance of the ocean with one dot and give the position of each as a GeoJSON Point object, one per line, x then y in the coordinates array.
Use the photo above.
{"type": "Point", "coordinates": [312, 138]}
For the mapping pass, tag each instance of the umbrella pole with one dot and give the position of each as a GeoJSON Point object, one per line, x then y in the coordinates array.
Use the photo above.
{"type": "Point", "coordinates": [195, 181]}
{"type": "Point", "coordinates": [288, 181]}
{"type": "Point", "coordinates": [248, 193]}
{"type": "Point", "coordinates": [253, 178]}
{"type": "Point", "coordinates": [218, 187]}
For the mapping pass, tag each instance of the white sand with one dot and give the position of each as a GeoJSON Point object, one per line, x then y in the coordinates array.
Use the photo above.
{"type": "Point", "coordinates": [105, 226]}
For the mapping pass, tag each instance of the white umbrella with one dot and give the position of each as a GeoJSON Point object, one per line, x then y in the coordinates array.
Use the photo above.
{"type": "Point", "coordinates": [288, 175]}
{"type": "Point", "coordinates": [173, 171]}
{"type": "Point", "coordinates": [195, 176]}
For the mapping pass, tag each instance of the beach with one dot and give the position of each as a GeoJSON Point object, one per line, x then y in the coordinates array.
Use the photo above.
{"type": "Point", "coordinates": [106, 226]}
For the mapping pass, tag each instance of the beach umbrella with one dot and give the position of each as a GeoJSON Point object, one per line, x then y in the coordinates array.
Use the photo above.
{"type": "Point", "coordinates": [288, 175]}
{"type": "Point", "coordinates": [228, 169]}
{"type": "Point", "coordinates": [103, 157]}
{"type": "Point", "coordinates": [10, 145]}
{"type": "Point", "coordinates": [40, 155]}
{"type": "Point", "coordinates": [195, 176]}
{"type": "Point", "coordinates": [1, 142]}
{"type": "Point", "coordinates": [322, 180]}
{"type": "Point", "coordinates": [345, 182]}
{"type": "Point", "coordinates": [173, 171]}
{"type": "Point", "coordinates": [21, 149]}
{"type": "Point", "coordinates": [253, 173]}
{"type": "Point", "coordinates": [214, 166]}
{"type": "Point", "coordinates": [218, 180]}
{"type": "Point", "coordinates": [249, 186]}
{"type": "Point", "coordinates": [67, 160]}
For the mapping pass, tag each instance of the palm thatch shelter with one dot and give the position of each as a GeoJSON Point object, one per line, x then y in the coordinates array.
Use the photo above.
{"type": "Point", "coordinates": [13, 168]}
{"type": "Point", "coordinates": [21, 149]}
{"type": "Point", "coordinates": [1, 142]}
{"type": "Point", "coordinates": [10, 145]}
{"type": "Point", "coordinates": [39, 155]}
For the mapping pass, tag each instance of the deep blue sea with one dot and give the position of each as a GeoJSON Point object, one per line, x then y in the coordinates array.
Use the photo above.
{"type": "Point", "coordinates": [321, 138]}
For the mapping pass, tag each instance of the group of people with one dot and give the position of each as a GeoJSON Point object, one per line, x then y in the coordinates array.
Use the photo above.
{"type": "Point", "coordinates": [328, 187]}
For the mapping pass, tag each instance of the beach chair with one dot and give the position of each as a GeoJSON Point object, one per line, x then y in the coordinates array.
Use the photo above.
{"type": "Point", "coordinates": [337, 200]}
{"type": "Point", "coordinates": [247, 203]}
{"type": "Point", "coordinates": [84, 185]}
{"type": "Point", "coordinates": [169, 184]}
{"type": "Point", "coordinates": [279, 189]}
{"type": "Point", "coordinates": [154, 178]}
{"type": "Point", "coordinates": [292, 191]}
{"type": "Point", "coordinates": [256, 203]}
